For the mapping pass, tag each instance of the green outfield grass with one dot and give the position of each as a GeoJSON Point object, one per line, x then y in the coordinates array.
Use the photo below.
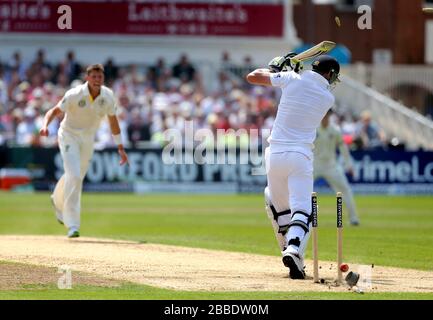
{"type": "Point", "coordinates": [140, 292]}
{"type": "Point", "coordinates": [394, 231]}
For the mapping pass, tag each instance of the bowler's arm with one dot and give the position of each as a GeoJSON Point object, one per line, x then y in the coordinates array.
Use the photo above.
{"type": "Point", "coordinates": [49, 116]}
{"type": "Point", "coordinates": [260, 77]}
{"type": "Point", "coordinates": [115, 130]}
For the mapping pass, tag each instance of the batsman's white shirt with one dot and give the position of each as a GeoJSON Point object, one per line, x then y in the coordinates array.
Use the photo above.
{"type": "Point", "coordinates": [76, 134]}
{"type": "Point", "coordinates": [305, 99]}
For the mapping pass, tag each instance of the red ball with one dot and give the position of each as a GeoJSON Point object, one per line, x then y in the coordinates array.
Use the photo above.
{"type": "Point", "coordinates": [344, 267]}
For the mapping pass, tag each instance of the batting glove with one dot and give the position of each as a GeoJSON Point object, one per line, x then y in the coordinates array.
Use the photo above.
{"type": "Point", "coordinates": [297, 67]}
{"type": "Point", "coordinates": [277, 64]}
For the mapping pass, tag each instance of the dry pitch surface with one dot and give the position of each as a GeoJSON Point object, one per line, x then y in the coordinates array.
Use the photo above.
{"type": "Point", "coordinates": [181, 268]}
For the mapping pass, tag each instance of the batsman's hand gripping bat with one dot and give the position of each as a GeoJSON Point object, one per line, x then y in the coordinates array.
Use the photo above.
{"type": "Point", "coordinates": [279, 64]}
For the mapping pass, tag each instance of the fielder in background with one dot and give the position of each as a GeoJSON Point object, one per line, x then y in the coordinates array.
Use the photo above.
{"type": "Point", "coordinates": [84, 107]}
{"type": "Point", "coordinates": [326, 166]}
{"type": "Point", "coordinates": [305, 100]}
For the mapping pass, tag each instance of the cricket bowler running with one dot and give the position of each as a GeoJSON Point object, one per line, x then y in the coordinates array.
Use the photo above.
{"type": "Point", "coordinates": [84, 107]}
{"type": "Point", "coordinates": [305, 100]}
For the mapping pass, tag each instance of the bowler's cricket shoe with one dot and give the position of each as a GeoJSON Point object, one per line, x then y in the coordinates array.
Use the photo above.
{"type": "Point", "coordinates": [59, 214]}
{"type": "Point", "coordinates": [354, 223]}
{"type": "Point", "coordinates": [295, 263]}
{"type": "Point", "coordinates": [73, 233]}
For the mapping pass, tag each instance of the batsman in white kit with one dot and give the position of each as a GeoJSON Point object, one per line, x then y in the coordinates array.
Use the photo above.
{"type": "Point", "coordinates": [84, 108]}
{"type": "Point", "coordinates": [326, 166]}
{"type": "Point", "coordinates": [305, 99]}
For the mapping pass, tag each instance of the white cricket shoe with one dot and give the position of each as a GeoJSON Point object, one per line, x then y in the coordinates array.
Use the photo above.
{"type": "Point", "coordinates": [73, 233]}
{"type": "Point", "coordinates": [59, 214]}
{"type": "Point", "coordinates": [295, 263]}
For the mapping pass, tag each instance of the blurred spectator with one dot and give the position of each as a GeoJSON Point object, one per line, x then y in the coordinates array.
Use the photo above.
{"type": "Point", "coordinates": [3, 97]}
{"type": "Point", "coordinates": [7, 125]}
{"type": "Point", "coordinates": [184, 70]}
{"type": "Point", "coordinates": [27, 132]}
{"type": "Point", "coordinates": [138, 129]}
{"type": "Point", "coordinates": [225, 83]}
{"type": "Point", "coordinates": [370, 135]}
{"type": "Point", "coordinates": [39, 70]}
{"type": "Point", "coordinates": [3, 87]}
{"type": "Point", "coordinates": [2, 135]}
{"type": "Point", "coordinates": [16, 65]}
{"type": "Point", "coordinates": [248, 65]}
{"type": "Point", "coordinates": [347, 125]}
{"type": "Point", "coordinates": [429, 106]}
{"type": "Point", "coordinates": [111, 72]}
{"type": "Point", "coordinates": [158, 74]}
{"type": "Point", "coordinates": [72, 67]}
{"type": "Point", "coordinates": [226, 62]}
{"type": "Point", "coordinates": [67, 70]}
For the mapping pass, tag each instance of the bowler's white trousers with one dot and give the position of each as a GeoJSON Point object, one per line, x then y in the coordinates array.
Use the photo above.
{"type": "Point", "coordinates": [76, 151]}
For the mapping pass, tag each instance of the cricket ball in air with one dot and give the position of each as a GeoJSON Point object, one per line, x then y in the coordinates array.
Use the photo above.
{"type": "Point", "coordinates": [344, 267]}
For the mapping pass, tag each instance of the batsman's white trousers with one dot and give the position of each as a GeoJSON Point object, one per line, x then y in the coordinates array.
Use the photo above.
{"type": "Point", "coordinates": [76, 151]}
{"type": "Point", "coordinates": [290, 180]}
{"type": "Point", "coordinates": [337, 180]}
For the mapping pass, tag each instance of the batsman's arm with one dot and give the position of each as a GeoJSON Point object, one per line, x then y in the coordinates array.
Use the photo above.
{"type": "Point", "coordinates": [115, 130]}
{"type": "Point", "coordinates": [49, 116]}
{"type": "Point", "coordinates": [260, 77]}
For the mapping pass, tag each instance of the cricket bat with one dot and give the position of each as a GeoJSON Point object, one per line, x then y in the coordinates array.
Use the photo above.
{"type": "Point", "coordinates": [317, 50]}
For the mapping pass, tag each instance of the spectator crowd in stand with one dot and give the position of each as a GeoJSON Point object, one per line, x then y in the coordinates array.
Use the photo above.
{"type": "Point", "coordinates": [151, 99]}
